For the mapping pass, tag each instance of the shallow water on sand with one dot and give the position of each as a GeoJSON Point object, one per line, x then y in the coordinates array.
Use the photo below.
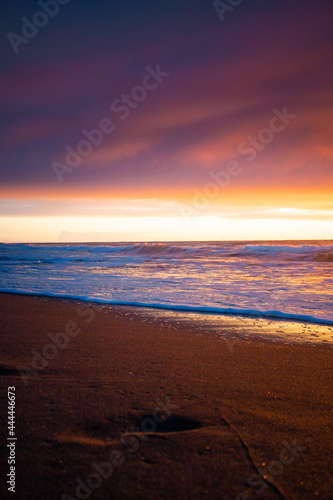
{"type": "Point", "coordinates": [234, 328]}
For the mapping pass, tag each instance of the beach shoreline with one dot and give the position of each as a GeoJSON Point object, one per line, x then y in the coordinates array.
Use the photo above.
{"type": "Point", "coordinates": [230, 409]}
{"type": "Point", "coordinates": [230, 327]}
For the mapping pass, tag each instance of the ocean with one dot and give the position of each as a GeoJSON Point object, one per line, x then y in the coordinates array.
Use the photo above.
{"type": "Point", "coordinates": [278, 291]}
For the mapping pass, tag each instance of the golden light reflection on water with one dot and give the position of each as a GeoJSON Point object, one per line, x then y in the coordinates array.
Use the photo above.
{"type": "Point", "coordinates": [238, 328]}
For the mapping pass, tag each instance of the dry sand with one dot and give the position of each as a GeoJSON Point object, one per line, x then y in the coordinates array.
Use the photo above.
{"type": "Point", "coordinates": [180, 415]}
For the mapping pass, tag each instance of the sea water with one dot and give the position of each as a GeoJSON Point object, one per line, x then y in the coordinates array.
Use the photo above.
{"type": "Point", "coordinates": [274, 290]}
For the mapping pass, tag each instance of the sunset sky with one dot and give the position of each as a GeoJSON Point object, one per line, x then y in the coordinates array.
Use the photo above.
{"type": "Point", "coordinates": [225, 129]}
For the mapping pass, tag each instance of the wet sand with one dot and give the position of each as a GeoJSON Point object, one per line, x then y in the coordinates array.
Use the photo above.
{"type": "Point", "coordinates": [112, 403]}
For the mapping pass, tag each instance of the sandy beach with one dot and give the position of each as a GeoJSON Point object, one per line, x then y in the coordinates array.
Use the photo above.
{"type": "Point", "coordinates": [111, 403]}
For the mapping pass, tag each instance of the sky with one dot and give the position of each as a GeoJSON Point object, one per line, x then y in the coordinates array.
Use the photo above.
{"type": "Point", "coordinates": [178, 120]}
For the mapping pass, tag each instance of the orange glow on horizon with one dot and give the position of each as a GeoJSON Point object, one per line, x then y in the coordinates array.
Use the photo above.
{"type": "Point", "coordinates": [112, 229]}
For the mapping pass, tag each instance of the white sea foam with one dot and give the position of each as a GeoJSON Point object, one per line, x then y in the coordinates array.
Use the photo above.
{"type": "Point", "coordinates": [179, 307]}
